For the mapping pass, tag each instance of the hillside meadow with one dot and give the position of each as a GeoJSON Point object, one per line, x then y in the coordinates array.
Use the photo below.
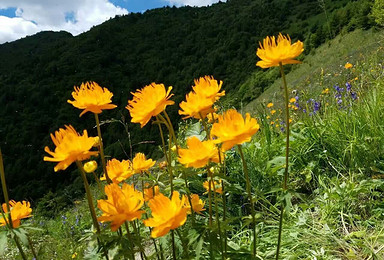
{"type": "Point", "coordinates": [295, 171]}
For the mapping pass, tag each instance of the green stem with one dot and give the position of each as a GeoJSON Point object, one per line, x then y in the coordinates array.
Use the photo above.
{"type": "Point", "coordinates": [210, 217]}
{"type": "Point", "coordinates": [8, 223]}
{"type": "Point", "coordinates": [218, 220]}
{"type": "Point", "coordinates": [102, 150]}
{"type": "Point", "coordinates": [205, 126]}
{"type": "Point", "coordinates": [171, 130]}
{"type": "Point", "coordinates": [286, 157]}
{"type": "Point", "coordinates": [167, 156]}
{"type": "Point", "coordinates": [90, 204]}
{"type": "Point", "coordinates": [137, 231]}
{"type": "Point", "coordinates": [98, 183]}
{"type": "Point", "coordinates": [89, 196]}
{"type": "Point", "coordinates": [185, 246]}
{"type": "Point", "coordinates": [222, 163]}
{"type": "Point", "coordinates": [6, 198]}
{"type": "Point", "coordinates": [130, 240]}
{"type": "Point", "coordinates": [173, 245]}
{"type": "Point", "coordinates": [169, 167]}
{"type": "Point", "coordinates": [32, 248]}
{"type": "Point", "coordinates": [248, 187]}
{"type": "Point", "coordinates": [224, 219]}
{"type": "Point", "coordinates": [4, 187]}
{"type": "Point", "coordinates": [169, 126]}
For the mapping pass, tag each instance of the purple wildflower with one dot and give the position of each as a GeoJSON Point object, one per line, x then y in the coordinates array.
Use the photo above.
{"type": "Point", "coordinates": [349, 86]}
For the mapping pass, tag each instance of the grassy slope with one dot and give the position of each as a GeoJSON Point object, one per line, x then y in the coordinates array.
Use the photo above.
{"type": "Point", "coordinates": [329, 57]}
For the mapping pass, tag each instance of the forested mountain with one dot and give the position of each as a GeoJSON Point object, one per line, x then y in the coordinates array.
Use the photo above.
{"type": "Point", "coordinates": [168, 45]}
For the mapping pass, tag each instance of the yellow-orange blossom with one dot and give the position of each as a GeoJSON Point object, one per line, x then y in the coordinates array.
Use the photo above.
{"type": "Point", "coordinates": [199, 102]}
{"type": "Point", "coordinates": [118, 171]}
{"type": "Point", "coordinates": [70, 147]}
{"type": "Point", "coordinates": [167, 214]}
{"type": "Point", "coordinates": [148, 102]}
{"type": "Point", "coordinates": [19, 210]}
{"type": "Point", "coordinates": [232, 129]}
{"type": "Point", "coordinates": [141, 164]}
{"type": "Point", "coordinates": [122, 204]}
{"type": "Point", "coordinates": [273, 52]}
{"type": "Point", "coordinates": [198, 153]}
{"type": "Point", "coordinates": [91, 97]}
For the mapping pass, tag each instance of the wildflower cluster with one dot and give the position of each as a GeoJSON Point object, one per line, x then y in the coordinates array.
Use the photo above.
{"type": "Point", "coordinates": [134, 191]}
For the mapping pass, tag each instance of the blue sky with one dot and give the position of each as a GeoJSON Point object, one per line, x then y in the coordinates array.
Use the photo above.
{"type": "Point", "coordinates": [20, 18]}
{"type": "Point", "coordinates": [139, 5]}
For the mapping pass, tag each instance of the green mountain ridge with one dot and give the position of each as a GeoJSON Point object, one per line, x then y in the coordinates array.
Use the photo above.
{"type": "Point", "coordinates": [168, 45]}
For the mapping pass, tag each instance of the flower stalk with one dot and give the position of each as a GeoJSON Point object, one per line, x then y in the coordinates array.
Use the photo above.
{"type": "Point", "coordinates": [249, 192]}
{"type": "Point", "coordinates": [6, 198]}
{"type": "Point", "coordinates": [102, 149]}
{"type": "Point", "coordinates": [286, 157]}
{"type": "Point", "coordinates": [90, 203]}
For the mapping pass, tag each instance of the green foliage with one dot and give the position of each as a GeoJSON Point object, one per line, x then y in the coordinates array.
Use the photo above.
{"type": "Point", "coordinates": [378, 12]}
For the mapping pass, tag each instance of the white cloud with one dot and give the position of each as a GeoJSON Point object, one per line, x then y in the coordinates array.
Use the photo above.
{"type": "Point", "coordinates": [193, 2]}
{"type": "Point", "coordinates": [14, 28]}
{"type": "Point", "coordinates": [74, 16]}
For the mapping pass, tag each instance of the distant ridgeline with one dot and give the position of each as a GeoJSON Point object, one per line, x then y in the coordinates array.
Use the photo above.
{"type": "Point", "coordinates": [167, 45]}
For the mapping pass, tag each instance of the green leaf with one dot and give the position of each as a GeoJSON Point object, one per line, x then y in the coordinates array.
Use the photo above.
{"type": "Point", "coordinates": [21, 234]}
{"type": "Point", "coordinates": [3, 241]}
{"type": "Point", "coordinates": [199, 246]}
{"type": "Point", "coordinates": [196, 130]}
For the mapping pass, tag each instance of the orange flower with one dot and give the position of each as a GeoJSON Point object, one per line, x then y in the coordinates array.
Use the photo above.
{"type": "Point", "coordinates": [118, 171]}
{"type": "Point", "coordinates": [198, 153]}
{"type": "Point", "coordinates": [197, 204]}
{"type": "Point", "coordinates": [140, 164]}
{"type": "Point", "coordinates": [272, 53]}
{"type": "Point", "coordinates": [232, 129]}
{"type": "Point", "coordinates": [122, 204]}
{"type": "Point", "coordinates": [91, 97]}
{"type": "Point", "coordinates": [196, 106]}
{"type": "Point", "coordinates": [348, 65]}
{"type": "Point", "coordinates": [215, 185]}
{"type": "Point", "coordinates": [167, 214]}
{"type": "Point", "coordinates": [19, 210]}
{"type": "Point", "coordinates": [148, 102]}
{"type": "Point", "coordinates": [70, 147]}
{"type": "Point", "coordinates": [150, 193]}
{"type": "Point", "coordinates": [208, 87]}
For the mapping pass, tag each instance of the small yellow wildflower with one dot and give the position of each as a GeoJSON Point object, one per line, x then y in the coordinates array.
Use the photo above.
{"type": "Point", "coordinates": [90, 166]}
{"type": "Point", "coordinates": [325, 91]}
{"type": "Point", "coordinates": [270, 105]}
{"type": "Point", "coordinates": [273, 111]}
{"type": "Point", "coordinates": [292, 100]}
{"type": "Point", "coordinates": [348, 65]}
